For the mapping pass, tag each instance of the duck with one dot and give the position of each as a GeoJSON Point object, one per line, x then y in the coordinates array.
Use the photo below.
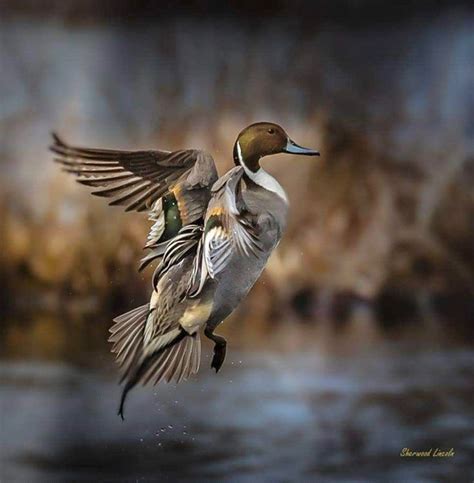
{"type": "Point", "coordinates": [211, 236]}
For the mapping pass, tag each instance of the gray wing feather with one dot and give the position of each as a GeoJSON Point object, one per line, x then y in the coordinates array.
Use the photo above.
{"type": "Point", "coordinates": [228, 230]}
{"type": "Point", "coordinates": [138, 179]}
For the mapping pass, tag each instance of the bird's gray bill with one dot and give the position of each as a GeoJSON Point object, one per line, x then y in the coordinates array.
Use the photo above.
{"type": "Point", "coordinates": [293, 148]}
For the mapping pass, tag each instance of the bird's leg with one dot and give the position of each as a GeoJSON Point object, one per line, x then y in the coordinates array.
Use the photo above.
{"type": "Point", "coordinates": [219, 348]}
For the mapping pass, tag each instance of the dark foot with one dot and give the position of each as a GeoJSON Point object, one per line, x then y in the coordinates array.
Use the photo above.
{"type": "Point", "coordinates": [219, 348]}
{"type": "Point", "coordinates": [219, 356]}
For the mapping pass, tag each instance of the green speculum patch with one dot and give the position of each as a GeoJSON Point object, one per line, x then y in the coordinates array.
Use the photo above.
{"type": "Point", "coordinates": [173, 221]}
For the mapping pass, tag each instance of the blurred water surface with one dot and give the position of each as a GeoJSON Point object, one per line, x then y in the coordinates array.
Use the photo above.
{"type": "Point", "coordinates": [288, 410]}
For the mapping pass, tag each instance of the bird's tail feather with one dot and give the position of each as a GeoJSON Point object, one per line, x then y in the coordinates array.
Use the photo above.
{"type": "Point", "coordinates": [176, 357]}
{"type": "Point", "coordinates": [127, 336]}
{"type": "Point", "coordinates": [176, 360]}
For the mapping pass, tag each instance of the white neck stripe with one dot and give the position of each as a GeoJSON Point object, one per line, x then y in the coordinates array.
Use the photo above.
{"type": "Point", "coordinates": [262, 178]}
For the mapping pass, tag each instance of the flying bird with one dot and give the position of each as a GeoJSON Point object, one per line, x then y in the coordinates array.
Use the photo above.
{"type": "Point", "coordinates": [212, 237]}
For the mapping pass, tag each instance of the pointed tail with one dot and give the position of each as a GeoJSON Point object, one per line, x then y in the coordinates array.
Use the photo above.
{"type": "Point", "coordinates": [144, 366]}
{"type": "Point", "coordinates": [175, 355]}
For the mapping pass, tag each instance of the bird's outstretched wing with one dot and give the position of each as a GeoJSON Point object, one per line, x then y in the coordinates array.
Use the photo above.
{"type": "Point", "coordinates": [229, 228]}
{"type": "Point", "coordinates": [174, 186]}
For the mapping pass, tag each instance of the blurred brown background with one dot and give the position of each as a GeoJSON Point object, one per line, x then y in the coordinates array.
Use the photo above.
{"type": "Point", "coordinates": [380, 244]}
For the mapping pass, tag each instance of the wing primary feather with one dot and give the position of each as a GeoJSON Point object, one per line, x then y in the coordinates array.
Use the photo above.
{"type": "Point", "coordinates": [140, 203]}
{"type": "Point", "coordinates": [118, 188]}
{"type": "Point", "coordinates": [129, 195]}
{"type": "Point", "coordinates": [106, 154]}
{"type": "Point", "coordinates": [75, 162]}
{"type": "Point", "coordinates": [79, 170]}
{"type": "Point", "coordinates": [139, 178]}
{"type": "Point", "coordinates": [106, 180]}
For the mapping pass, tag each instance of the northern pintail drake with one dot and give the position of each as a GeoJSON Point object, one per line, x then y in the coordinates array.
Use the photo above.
{"type": "Point", "coordinates": [212, 237]}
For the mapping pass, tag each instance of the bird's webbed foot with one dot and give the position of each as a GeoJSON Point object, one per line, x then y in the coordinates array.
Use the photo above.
{"type": "Point", "coordinates": [220, 348]}
{"type": "Point", "coordinates": [219, 356]}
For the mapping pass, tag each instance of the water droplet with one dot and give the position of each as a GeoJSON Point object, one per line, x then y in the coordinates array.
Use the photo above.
{"type": "Point", "coordinates": [170, 426]}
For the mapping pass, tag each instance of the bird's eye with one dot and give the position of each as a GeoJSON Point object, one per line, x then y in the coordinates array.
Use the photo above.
{"type": "Point", "coordinates": [271, 131]}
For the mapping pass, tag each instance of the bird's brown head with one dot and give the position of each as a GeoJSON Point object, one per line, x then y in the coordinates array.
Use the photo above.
{"type": "Point", "coordinates": [263, 139]}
